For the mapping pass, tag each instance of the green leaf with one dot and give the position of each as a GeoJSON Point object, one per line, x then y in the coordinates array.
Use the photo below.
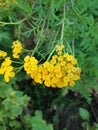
{"type": "Point", "coordinates": [84, 114]}
{"type": "Point", "coordinates": [5, 90]}
{"type": "Point", "coordinates": [15, 111]}
{"type": "Point", "coordinates": [95, 126]}
{"type": "Point", "coordinates": [39, 124]}
{"type": "Point", "coordinates": [15, 124]}
{"type": "Point", "coordinates": [64, 129]}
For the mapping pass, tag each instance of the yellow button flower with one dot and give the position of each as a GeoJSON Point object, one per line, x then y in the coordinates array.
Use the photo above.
{"type": "Point", "coordinates": [17, 48]}
{"type": "Point", "coordinates": [59, 72]}
{"type": "Point", "coordinates": [3, 53]}
{"type": "Point", "coordinates": [6, 69]}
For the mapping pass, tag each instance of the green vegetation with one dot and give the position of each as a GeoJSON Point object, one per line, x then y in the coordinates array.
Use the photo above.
{"type": "Point", "coordinates": [27, 103]}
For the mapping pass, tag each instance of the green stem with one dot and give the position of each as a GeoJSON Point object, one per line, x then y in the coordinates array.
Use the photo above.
{"type": "Point", "coordinates": [43, 57]}
{"type": "Point", "coordinates": [19, 69]}
{"type": "Point", "coordinates": [72, 5]}
{"type": "Point", "coordinates": [53, 48]}
{"type": "Point", "coordinates": [62, 36]}
{"type": "Point", "coordinates": [69, 50]}
{"type": "Point", "coordinates": [40, 43]}
{"type": "Point", "coordinates": [26, 50]}
{"type": "Point", "coordinates": [51, 54]}
{"type": "Point", "coordinates": [17, 62]}
{"type": "Point", "coordinates": [13, 23]}
{"type": "Point", "coordinates": [62, 32]}
{"type": "Point", "coordinates": [73, 50]}
{"type": "Point", "coordinates": [36, 47]}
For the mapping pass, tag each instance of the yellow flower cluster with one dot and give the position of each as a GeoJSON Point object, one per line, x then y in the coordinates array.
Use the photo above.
{"type": "Point", "coordinates": [17, 48]}
{"type": "Point", "coordinates": [6, 69]}
{"type": "Point", "coordinates": [3, 53]}
{"type": "Point", "coordinates": [30, 65]}
{"type": "Point", "coordinates": [59, 72]}
{"type": "Point", "coordinates": [59, 49]}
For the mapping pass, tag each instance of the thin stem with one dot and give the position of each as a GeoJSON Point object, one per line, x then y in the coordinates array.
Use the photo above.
{"type": "Point", "coordinates": [62, 35]}
{"type": "Point", "coordinates": [72, 5]}
{"type": "Point", "coordinates": [73, 50]}
{"type": "Point", "coordinates": [19, 69]}
{"type": "Point", "coordinates": [62, 32]}
{"type": "Point", "coordinates": [69, 49]}
{"type": "Point", "coordinates": [43, 57]}
{"type": "Point", "coordinates": [26, 50]}
{"type": "Point", "coordinates": [51, 54]}
{"type": "Point", "coordinates": [36, 47]}
{"type": "Point", "coordinates": [53, 49]}
{"type": "Point", "coordinates": [13, 23]}
{"type": "Point", "coordinates": [17, 62]}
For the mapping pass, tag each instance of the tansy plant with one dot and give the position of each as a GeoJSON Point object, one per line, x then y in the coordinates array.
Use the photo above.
{"type": "Point", "coordinates": [58, 71]}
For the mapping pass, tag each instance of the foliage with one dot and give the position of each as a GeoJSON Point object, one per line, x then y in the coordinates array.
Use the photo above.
{"type": "Point", "coordinates": [40, 25]}
{"type": "Point", "coordinates": [37, 122]}
{"type": "Point", "coordinates": [86, 116]}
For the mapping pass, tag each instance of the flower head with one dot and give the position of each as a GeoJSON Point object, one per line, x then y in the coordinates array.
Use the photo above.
{"type": "Point", "coordinates": [3, 54]}
{"type": "Point", "coordinates": [6, 69]}
{"type": "Point", "coordinates": [17, 48]}
{"type": "Point", "coordinates": [59, 49]}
